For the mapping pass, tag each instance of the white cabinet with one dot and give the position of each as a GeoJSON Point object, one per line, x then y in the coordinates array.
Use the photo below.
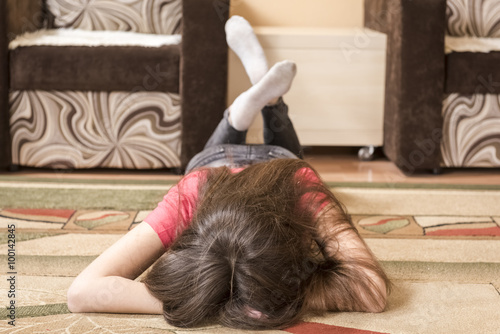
{"type": "Point", "coordinates": [337, 98]}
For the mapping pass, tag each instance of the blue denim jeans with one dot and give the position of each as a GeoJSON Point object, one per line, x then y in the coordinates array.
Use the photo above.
{"type": "Point", "coordinates": [227, 146]}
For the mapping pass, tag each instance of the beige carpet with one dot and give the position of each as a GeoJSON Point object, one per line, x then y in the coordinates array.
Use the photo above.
{"type": "Point", "coordinates": [440, 246]}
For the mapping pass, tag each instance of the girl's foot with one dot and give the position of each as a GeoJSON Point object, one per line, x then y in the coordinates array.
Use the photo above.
{"type": "Point", "coordinates": [242, 40]}
{"type": "Point", "coordinates": [267, 91]}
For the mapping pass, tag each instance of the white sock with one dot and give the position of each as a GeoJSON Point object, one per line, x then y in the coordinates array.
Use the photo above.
{"type": "Point", "coordinates": [242, 40]}
{"type": "Point", "coordinates": [272, 86]}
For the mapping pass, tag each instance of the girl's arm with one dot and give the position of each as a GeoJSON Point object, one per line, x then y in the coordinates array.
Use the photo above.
{"type": "Point", "coordinates": [352, 280]}
{"type": "Point", "coordinates": [107, 284]}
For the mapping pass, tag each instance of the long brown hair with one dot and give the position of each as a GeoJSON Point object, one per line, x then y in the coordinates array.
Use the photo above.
{"type": "Point", "coordinates": [252, 257]}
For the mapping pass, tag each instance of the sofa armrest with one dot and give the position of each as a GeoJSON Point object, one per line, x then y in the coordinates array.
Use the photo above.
{"type": "Point", "coordinates": [16, 17]}
{"type": "Point", "coordinates": [204, 57]}
{"type": "Point", "coordinates": [5, 149]}
{"type": "Point", "coordinates": [23, 16]}
{"type": "Point", "coordinates": [414, 78]}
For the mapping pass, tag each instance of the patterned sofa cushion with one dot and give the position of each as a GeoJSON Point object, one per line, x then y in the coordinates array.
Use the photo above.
{"type": "Point", "coordinates": [478, 18]}
{"type": "Point", "coordinates": [144, 16]}
{"type": "Point", "coordinates": [471, 136]}
{"type": "Point", "coordinates": [68, 129]}
{"type": "Point", "coordinates": [471, 108]}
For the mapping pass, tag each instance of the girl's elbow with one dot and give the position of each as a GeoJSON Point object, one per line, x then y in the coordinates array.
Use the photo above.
{"type": "Point", "coordinates": [75, 298]}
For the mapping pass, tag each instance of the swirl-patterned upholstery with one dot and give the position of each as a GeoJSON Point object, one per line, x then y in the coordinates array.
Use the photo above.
{"type": "Point", "coordinates": [471, 120]}
{"type": "Point", "coordinates": [471, 130]}
{"type": "Point", "coordinates": [442, 108]}
{"type": "Point", "coordinates": [95, 129]}
{"type": "Point", "coordinates": [143, 16]}
{"type": "Point", "coordinates": [109, 84]}
{"type": "Point", "coordinates": [478, 18]}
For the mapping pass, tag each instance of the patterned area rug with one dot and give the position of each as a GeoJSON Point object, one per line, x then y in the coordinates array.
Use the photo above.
{"type": "Point", "coordinates": [439, 244]}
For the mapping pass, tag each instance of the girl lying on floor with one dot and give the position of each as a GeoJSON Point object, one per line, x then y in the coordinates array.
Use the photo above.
{"type": "Point", "coordinates": [250, 238]}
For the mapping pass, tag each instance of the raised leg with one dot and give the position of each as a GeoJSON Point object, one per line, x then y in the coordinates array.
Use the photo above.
{"type": "Point", "coordinates": [225, 133]}
{"type": "Point", "coordinates": [268, 90]}
{"type": "Point", "coordinates": [279, 130]}
{"type": "Point", "coordinates": [240, 115]}
{"type": "Point", "coordinates": [242, 40]}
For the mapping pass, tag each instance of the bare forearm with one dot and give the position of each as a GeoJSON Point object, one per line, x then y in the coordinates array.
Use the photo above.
{"type": "Point", "coordinates": [112, 294]}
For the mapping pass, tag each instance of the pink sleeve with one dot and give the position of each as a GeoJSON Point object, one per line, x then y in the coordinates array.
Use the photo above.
{"type": "Point", "coordinates": [309, 177]}
{"type": "Point", "coordinates": [174, 214]}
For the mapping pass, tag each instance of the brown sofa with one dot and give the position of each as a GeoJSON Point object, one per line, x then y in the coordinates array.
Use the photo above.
{"type": "Point", "coordinates": [111, 105]}
{"type": "Point", "coordinates": [440, 108]}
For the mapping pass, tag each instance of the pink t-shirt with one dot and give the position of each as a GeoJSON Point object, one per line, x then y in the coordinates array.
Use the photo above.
{"type": "Point", "coordinates": [179, 204]}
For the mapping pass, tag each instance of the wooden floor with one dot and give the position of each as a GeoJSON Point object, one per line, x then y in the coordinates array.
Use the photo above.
{"type": "Point", "coordinates": [333, 164]}
{"type": "Point", "coordinates": [348, 168]}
